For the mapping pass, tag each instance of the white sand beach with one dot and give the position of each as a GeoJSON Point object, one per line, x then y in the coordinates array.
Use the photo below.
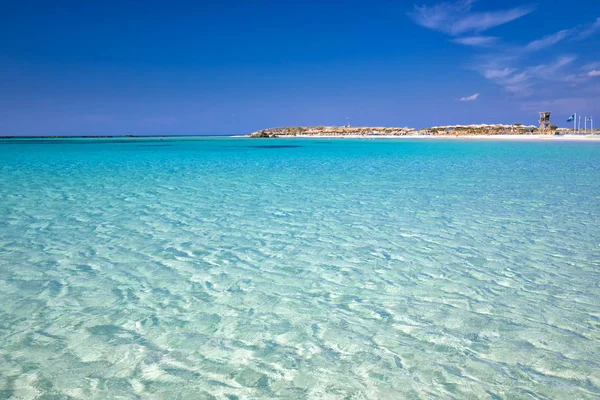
{"type": "Point", "coordinates": [453, 137]}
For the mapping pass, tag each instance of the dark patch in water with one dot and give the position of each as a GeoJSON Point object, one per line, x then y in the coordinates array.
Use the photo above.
{"type": "Point", "coordinates": [383, 314]}
{"type": "Point", "coordinates": [398, 362]}
{"type": "Point", "coordinates": [37, 142]}
{"type": "Point", "coordinates": [315, 328]}
{"type": "Point", "coordinates": [155, 145]}
{"type": "Point", "coordinates": [494, 396]}
{"type": "Point", "coordinates": [275, 146]}
{"type": "Point", "coordinates": [452, 370]}
{"type": "Point", "coordinates": [90, 141]}
{"type": "Point", "coordinates": [182, 373]}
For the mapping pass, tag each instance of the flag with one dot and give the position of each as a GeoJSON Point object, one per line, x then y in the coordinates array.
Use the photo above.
{"type": "Point", "coordinates": [571, 118]}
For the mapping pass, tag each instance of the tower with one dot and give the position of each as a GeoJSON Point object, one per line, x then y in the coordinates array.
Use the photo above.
{"type": "Point", "coordinates": [544, 121]}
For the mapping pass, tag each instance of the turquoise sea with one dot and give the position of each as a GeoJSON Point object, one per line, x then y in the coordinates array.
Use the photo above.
{"type": "Point", "coordinates": [235, 268]}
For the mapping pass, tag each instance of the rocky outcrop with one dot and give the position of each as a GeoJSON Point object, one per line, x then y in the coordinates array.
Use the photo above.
{"type": "Point", "coordinates": [265, 133]}
{"type": "Point", "coordinates": [330, 131]}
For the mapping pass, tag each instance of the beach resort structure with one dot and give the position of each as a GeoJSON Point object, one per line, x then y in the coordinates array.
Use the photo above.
{"type": "Point", "coordinates": [544, 121]}
{"type": "Point", "coordinates": [480, 129]}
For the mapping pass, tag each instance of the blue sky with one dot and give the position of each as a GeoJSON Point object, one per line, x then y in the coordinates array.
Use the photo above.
{"type": "Point", "coordinates": [230, 67]}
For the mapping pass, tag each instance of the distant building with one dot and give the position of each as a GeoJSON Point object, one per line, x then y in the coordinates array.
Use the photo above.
{"type": "Point", "coordinates": [545, 121]}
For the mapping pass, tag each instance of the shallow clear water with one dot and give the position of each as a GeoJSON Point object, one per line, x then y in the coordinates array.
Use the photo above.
{"type": "Point", "coordinates": [300, 269]}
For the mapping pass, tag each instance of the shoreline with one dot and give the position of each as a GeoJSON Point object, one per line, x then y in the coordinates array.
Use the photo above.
{"type": "Point", "coordinates": [481, 131]}
{"type": "Point", "coordinates": [516, 137]}
{"type": "Point", "coordinates": [592, 138]}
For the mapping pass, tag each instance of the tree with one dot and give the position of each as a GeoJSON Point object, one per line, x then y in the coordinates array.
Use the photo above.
{"type": "Point", "coordinates": [518, 124]}
{"type": "Point", "coordinates": [553, 127]}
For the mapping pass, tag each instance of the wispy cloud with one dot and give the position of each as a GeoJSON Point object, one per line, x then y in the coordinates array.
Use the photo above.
{"type": "Point", "coordinates": [481, 21]}
{"type": "Point", "coordinates": [548, 40]}
{"type": "Point", "coordinates": [522, 81]}
{"type": "Point", "coordinates": [517, 83]}
{"type": "Point", "coordinates": [549, 71]}
{"type": "Point", "coordinates": [497, 73]}
{"type": "Point", "coordinates": [588, 30]}
{"type": "Point", "coordinates": [438, 16]}
{"type": "Point", "coordinates": [561, 107]}
{"type": "Point", "coordinates": [507, 66]}
{"type": "Point", "coordinates": [481, 41]}
{"type": "Point", "coordinates": [457, 18]}
{"type": "Point", "coordinates": [523, 70]}
{"type": "Point", "coordinates": [592, 65]}
{"type": "Point", "coordinates": [473, 97]}
{"type": "Point", "coordinates": [577, 33]}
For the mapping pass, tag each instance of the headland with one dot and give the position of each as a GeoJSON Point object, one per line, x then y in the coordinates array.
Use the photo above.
{"type": "Point", "coordinates": [480, 131]}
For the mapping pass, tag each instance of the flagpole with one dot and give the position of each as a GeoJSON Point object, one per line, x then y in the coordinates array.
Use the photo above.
{"type": "Point", "coordinates": [574, 123]}
{"type": "Point", "coordinates": [585, 125]}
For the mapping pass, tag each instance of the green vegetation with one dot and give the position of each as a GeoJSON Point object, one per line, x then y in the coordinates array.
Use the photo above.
{"type": "Point", "coordinates": [295, 130]}
{"type": "Point", "coordinates": [437, 130]}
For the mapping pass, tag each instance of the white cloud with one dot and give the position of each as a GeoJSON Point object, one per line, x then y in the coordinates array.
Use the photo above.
{"type": "Point", "coordinates": [437, 16]}
{"type": "Point", "coordinates": [522, 90]}
{"type": "Point", "coordinates": [502, 70]}
{"type": "Point", "coordinates": [497, 73]}
{"type": "Point", "coordinates": [589, 30]}
{"type": "Point", "coordinates": [561, 108]}
{"type": "Point", "coordinates": [457, 18]}
{"type": "Point", "coordinates": [517, 84]}
{"type": "Point", "coordinates": [516, 79]}
{"type": "Point", "coordinates": [550, 71]}
{"type": "Point", "coordinates": [470, 98]}
{"type": "Point", "coordinates": [479, 21]}
{"type": "Point", "coordinates": [563, 60]}
{"type": "Point", "coordinates": [476, 40]}
{"type": "Point", "coordinates": [552, 39]}
{"type": "Point", "coordinates": [524, 80]}
{"type": "Point", "coordinates": [592, 65]}
{"type": "Point", "coordinates": [518, 69]}
{"type": "Point", "coordinates": [548, 40]}
{"type": "Point", "coordinates": [508, 67]}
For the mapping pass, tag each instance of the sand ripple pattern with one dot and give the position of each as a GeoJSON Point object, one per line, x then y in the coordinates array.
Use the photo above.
{"type": "Point", "coordinates": [299, 269]}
